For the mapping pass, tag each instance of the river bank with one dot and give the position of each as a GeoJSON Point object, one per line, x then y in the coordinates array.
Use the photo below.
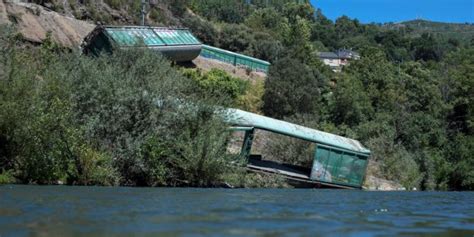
{"type": "Point", "coordinates": [253, 180]}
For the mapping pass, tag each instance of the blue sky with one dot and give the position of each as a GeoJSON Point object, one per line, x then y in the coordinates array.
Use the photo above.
{"type": "Point", "coordinates": [367, 11]}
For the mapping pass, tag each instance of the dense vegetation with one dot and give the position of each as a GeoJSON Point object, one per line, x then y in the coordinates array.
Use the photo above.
{"type": "Point", "coordinates": [409, 98]}
{"type": "Point", "coordinates": [127, 118]}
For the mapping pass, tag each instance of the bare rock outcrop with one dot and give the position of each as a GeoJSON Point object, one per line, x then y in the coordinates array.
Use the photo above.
{"type": "Point", "coordinates": [374, 183]}
{"type": "Point", "coordinates": [3, 13]}
{"type": "Point", "coordinates": [33, 22]}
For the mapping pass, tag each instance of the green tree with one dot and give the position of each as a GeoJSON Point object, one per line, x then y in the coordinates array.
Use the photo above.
{"type": "Point", "coordinates": [236, 38]}
{"type": "Point", "coordinates": [350, 103]}
{"type": "Point", "coordinates": [291, 87]}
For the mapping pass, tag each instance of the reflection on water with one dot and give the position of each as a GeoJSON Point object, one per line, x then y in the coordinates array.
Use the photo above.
{"type": "Point", "coordinates": [112, 211]}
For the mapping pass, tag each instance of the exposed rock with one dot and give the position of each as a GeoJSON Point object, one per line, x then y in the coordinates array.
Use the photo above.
{"type": "Point", "coordinates": [67, 9]}
{"type": "Point", "coordinates": [3, 13]}
{"type": "Point", "coordinates": [34, 22]}
{"type": "Point", "coordinates": [374, 183]}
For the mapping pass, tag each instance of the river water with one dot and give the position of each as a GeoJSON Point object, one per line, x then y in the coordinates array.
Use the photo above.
{"type": "Point", "coordinates": [121, 211]}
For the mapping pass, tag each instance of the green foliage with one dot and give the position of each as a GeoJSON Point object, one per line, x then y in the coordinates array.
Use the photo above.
{"type": "Point", "coordinates": [426, 48]}
{"type": "Point", "coordinates": [457, 88]}
{"type": "Point", "coordinates": [218, 83]}
{"type": "Point", "coordinates": [108, 120]}
{"type": "Point", "coordinates": [397, 163]}
{"type": "Point", "coordinates": [458, 31]}
{"type": "Point", "coordinates": [116, 4]}
{"type": "Point", "coordinates": [409, 98]}
{"type": "Point", "coordinates": [41, 140]}
{"type": "Point", "coordinates": [265, 19]}
{"type": "Point", "coordinates": [409, 113]}
{"type": "Point", "coordinates": [236, 38]}
{"type": "Point", "coordinates": [191, 153]}
{"type": "Point", "coordinates": [291, 87]}
{"type": "Point", "coordinates": [227, 11]}
{"type": "Point", "coordinates": [202, 29]}
{"type": "Point", "coordinates": [350, 103]}
{"type": "Point", "coordinates": [252, 99]}
{"type": "Point", "coordinates": [178, 7]}
{"type": "Point", "coordinates": [6, 177]}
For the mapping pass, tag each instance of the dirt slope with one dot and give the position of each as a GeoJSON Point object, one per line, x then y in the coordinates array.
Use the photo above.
{"type": "Point", "coordinates": [207, 64]}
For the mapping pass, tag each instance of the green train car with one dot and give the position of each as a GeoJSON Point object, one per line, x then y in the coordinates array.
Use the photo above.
{"type": "Point", "coordinates": [235, 59]}
{"type": "Point", "coordinates": [338, 162]}
{"type": "Point", "coordinates": [178, 45]}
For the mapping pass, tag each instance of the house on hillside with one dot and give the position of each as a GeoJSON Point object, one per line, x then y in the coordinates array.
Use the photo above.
{"type": "Point", "coordinates": [336, 60]}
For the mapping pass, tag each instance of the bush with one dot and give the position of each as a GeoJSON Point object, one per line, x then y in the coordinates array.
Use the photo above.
{"type": "Point", "coordinates": [192, 152]}
{"type": "Point", "coordinates": [108, 120]}
{"type": "Point", "coordinates": [227, 11]}
{"type": "Point", "coordinates": [202, 29]}
{"type": "Point", "coordinates": [121, 111]}
{"type": "Point", "coordinates": [218, 83]}
{"type": "Point", "coordinates": [291, 87]}
{"type": "Point", "coordinates": [397, 163]}
{"type": "Point", "coordinates": [6, 177]}
{"type": "Point", "coordinates": [41, 140]}
{"type": "Point", "coordinates": [252, 99]}
{"type": "Point", "coordinates": [115, 4]}
{"type": "Point", "coordinates": [236, 38]}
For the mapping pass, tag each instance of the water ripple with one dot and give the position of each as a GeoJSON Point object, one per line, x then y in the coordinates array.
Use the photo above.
{"type": "Point", "coordinates": [99, 211]}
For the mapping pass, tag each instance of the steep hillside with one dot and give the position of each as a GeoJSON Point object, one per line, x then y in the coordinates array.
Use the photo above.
{"type": "Point", "coordinates": [34, 22]}
{"type": "Point", "coordinates": [121, 12]}
{"type": "Point", "coordinates": [408, 98]}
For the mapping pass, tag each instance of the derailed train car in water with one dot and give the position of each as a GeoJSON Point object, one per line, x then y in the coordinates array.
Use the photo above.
{"type": "Point", "coordinates": [178, 45]}
{"type": "Point", "coordinates": [338, 162]}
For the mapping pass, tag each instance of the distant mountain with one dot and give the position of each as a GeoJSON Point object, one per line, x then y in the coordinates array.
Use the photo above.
{"type": "Point", "coordinates": [451, 30]}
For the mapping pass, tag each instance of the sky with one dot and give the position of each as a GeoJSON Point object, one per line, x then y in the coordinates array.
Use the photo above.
{"type": "Point", "coordinates": [380, 11]}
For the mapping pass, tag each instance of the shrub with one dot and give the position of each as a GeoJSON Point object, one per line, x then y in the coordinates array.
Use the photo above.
{"type": "Point", "coordinates": [291, 87]}
{"type": "Point", "coordinates": [252, 99]}
{"type": "Point", "coordinates": [202, 29]}
{"type": "Point", "coordinates": [397, 163]}
{"type": "Point", "coordinates": [6, 177]}
{"type": "Point", "coordinates": [192, 149]}
{"type": "Point", "coordinates": [105, 120]}
{"type": "Point", "coordinates": [218, 83]}
{"type": "Point", "coordinates": [236, 38]}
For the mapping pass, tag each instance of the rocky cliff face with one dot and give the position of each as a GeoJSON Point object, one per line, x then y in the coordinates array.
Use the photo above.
{"type": "Point", "coordinates": [33, 22]}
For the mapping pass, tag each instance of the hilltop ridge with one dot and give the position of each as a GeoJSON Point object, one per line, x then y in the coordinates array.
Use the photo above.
{"type": "Point", "coordinates": [417, 27]}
